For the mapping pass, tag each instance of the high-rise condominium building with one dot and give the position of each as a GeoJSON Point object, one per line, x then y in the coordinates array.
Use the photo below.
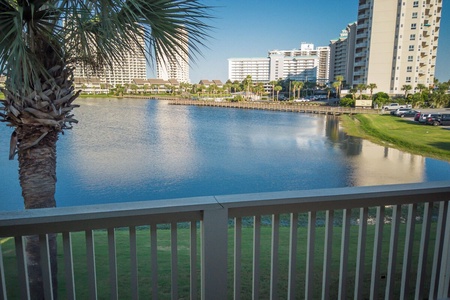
{"type": "Point", "coordinates": [133, 66]}
{"type": "Point", "coordinates": [304, 64]}
{"type": "Point", "coordinates": [342, 56]}
{"type": "Point", "coordinates": [174, 67]}
{"type": "Point", "coordinates": [396, 43]}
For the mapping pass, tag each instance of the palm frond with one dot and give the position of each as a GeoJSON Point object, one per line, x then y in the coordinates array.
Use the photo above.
{"type": "Point", "coordinates": [38, 33]}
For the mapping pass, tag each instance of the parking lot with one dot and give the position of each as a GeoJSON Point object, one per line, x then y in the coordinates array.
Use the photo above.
{"type": "Point", "coordinates": [426, 111]}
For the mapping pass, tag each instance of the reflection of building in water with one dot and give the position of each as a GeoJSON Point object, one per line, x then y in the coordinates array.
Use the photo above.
{"type": "Point", "coordinates": [376, 165]}
{"type": "Point", "coordinates": [112, 150]}
{"type": "Point", "coordinates": [372, 164]}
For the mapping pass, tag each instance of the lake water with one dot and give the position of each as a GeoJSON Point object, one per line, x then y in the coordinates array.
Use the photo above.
{"type": "Point", "coordinates": [133, 150]}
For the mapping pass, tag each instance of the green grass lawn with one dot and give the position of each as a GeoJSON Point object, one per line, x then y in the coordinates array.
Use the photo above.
{"type": "Point", "coordinates": [143, 236]}
{"type": "Point", "coordinates": [400, 133]}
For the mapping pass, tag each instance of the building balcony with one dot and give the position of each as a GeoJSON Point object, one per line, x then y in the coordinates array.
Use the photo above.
{"type": "Point", "coordinates": [363, 26]}
{"type": "Point", "coordinates": [377, 242]}
{"type": "Point", "coordinates": [362, 17]}
{"type": "Point", "coordinates": [360, 64]}
{"type": "Point", "coordinates": [361, 45]}
{"type": "Point", "coordinates": [363, 35]}
{"type": "Point", "coordinates": [364, 6]}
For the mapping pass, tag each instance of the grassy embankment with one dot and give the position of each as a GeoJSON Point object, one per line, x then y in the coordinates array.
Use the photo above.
{"type": "Point", "coordinates": [400, 133]}
{"type": "Point", "coordinates": [164, 276]}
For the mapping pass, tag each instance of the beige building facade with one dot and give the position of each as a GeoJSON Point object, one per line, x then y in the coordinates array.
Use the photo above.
{"type": "Point", "coordinates": [396, 43]}
{"type": "Point", "coordinates": [342, 52]}
{"type": "Point", "coordinates": [133, 66]}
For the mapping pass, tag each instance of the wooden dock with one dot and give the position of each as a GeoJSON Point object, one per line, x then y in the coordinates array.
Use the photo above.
{"type": "Point", "coordinates": [279, 106]}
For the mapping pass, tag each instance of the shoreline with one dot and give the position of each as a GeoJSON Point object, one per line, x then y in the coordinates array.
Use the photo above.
{"type": "Point", "coordinates": [402, 134]}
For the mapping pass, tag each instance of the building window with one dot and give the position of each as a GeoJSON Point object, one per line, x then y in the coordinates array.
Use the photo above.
{"type": "Point", "coordinates": [408, 79]}
{"type": "Point", "coordinates": [409, 69]}
{"type": "Point", "coordinates": [412, 37]}
{"type": "Point", "coordinates": [410, 58]}
{"type": "Point", "coordinates": [416, 4]}
{"type": "Point", "coordinates": [411, 47]}
{"type": "Point", "coordinates": [413, 26]}
{"type": "Point", "coordinates": [414, 15]}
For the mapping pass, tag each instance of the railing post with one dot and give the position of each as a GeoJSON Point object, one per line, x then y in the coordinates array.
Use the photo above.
{"type": "Point", "coordinates": [444, 280]}
{"type": "Point", "coordinates": [214, 241]}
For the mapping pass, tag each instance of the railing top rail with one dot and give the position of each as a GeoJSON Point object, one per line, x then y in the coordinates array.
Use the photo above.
{"type": "Point", "coordinates": [335, 198]}
{"type": "Point", "coordinates": [77, 218]}
{"type": "Point", "coordinates": [185, 209]}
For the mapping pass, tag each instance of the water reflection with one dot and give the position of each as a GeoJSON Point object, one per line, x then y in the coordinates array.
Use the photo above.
{"type": "Point", "coordinates": [373, 164]}
{"type": "Point", "coordinates": [132, 150]}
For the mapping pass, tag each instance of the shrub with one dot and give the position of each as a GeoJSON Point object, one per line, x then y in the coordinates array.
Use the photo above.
{"type": "Point", "coordinates": [347, 102]}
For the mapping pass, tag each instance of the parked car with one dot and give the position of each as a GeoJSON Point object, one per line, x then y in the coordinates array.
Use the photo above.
{"type": "Point", "coordinates": [423, 118]}
{"type": "Point", "coordinates": [444, 119]}
{"type": "Point", "coordinates": [432, 119]}
{"type": "Point", "coordinates": [407, 113]}
{"type": "Point", "coordinates": [398, 111]}
{"type": "Point", "coordinates": [417, 116]}
{"type": "Point", "coordinates": [394, 106]}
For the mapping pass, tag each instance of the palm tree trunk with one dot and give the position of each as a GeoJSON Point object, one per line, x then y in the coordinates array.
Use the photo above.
{"type": "Point", "coordinates": [37, 175]}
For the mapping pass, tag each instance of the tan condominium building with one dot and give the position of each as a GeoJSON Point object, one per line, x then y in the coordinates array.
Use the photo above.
{"type": "Point", "coordinates": [304, 64]}
{"type": "Point", "coordinates": [342, 56]}
{"type": "Point", "coordinates": [133, 66]}
{"type": "Point", "coordinates": [175, 66]}
{"type": "Point", "coordinates": [396, 43]}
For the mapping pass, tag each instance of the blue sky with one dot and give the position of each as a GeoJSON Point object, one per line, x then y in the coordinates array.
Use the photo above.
{"type": "Point", "coordinates": [250, 28]}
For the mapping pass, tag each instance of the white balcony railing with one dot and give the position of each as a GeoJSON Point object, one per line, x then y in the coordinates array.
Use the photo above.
{"type": "Point", "coordinates": [379, 242]}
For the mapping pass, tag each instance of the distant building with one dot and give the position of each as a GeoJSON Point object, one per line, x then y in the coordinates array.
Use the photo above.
{"type": "Point", "coordinates": [304, 64]}
{"type": "Point", "coordinates": [257, 68]}
{"type": "Point", "coordinates": [133, 66]}
{"type": "Point", "coordinates": [208, 83]}
{"type": "Point", "coordinates": [342, 51]}
{"type": "Point", "coordinates": [91, 85]}
{"type": "Point", "coordinates": [175, 67]}
{"type": "Point", "coordinates": [396, 43]}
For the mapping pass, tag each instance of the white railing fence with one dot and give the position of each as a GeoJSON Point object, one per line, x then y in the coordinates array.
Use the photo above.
{"type": "Point", "coordinates": [381, 242]}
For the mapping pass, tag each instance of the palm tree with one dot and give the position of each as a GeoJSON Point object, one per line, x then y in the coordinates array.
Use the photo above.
{"type": "Point", "coordinates": [339, 79]}
{"type": "Point", "coordinates": [421, 87]}
{"type": "Point", "coordinates": [336, 85]}
{"type": "Point", "coordinates": [40, 42]}
{"type": "Point", "coordinates": [300, 86]}
{"type": "Point", "coordinates": [371, 87]}
{"type": "Point", "coordinates": [273, 83]}
{"type": "Point", "coordinates": [406, 88]}
{"type": "Point", "coordinates": [277, 89]}
{"type": "Point", "coordinates": [353, 92]}
{"type": "Point", "coordinates": [247, 82]}
{"type": "Point", "coordinates": [360, 88]}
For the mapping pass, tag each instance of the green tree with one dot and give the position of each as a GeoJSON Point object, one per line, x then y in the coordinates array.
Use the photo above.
{"type": "Point", "coordinates": [273, 83]}
{"type": "Point", "coordinates": [40, 42]}
{"type": "Point", "coordinates": [371, 87]}
{"type": "Point", "coordinates": [421, 87]}
{"type": "Point", "coordinates": [440, 98]}
{"type": "Point", "coordinates": [406, 88]}
{"type": "Point", "coordinates": [360, 88]}
{"type": "Point", "coordinates": [247, 84]}
{"type": "Point", "coordinates": [353, 91]}
{"type": "Point", "coordinates": [339, 79]}
{"type": "Point", "coordinates": [336, 85]}
{"type": "Point", "coordinates": [236, 86]}
{"type": "Point", "coordinates": [298, 85]}
{"type": "Point", "coordinates": [277, 89]}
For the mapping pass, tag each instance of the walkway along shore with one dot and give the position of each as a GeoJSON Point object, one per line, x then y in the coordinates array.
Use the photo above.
{"type": "Point", "coordinates": [278, 106]}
